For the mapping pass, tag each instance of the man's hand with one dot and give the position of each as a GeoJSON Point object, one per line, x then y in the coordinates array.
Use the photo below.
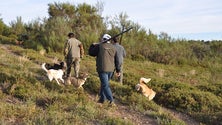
{"type": "Point", "coordinates": [118, 74]}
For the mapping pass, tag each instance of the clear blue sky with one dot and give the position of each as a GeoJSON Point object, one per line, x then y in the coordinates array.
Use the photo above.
{"type": "Point", "coordinates": [190, 19]}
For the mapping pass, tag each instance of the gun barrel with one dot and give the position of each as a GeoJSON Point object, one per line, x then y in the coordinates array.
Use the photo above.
{"type": "Point", "coordinates": [118, 34]}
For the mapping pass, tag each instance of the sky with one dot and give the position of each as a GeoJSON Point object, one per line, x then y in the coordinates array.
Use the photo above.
{"type": "Point", "coordinates": [183, 19]}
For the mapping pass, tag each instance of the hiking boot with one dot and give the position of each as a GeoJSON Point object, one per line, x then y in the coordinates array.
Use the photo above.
{"type": "Point", "coordinates": [100, 101]}
{"type": "Point", "coordinates": [112, 104]}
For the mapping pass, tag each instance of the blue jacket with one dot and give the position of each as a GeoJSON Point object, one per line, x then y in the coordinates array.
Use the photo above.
{"type": "Point", "coordinates": [120, 52]}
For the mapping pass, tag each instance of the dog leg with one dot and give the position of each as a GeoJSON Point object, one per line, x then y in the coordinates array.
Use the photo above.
{"type": "Point", "coordinates": [57, 81]}
{"type": "Point", "coordinates": [50, 78]}
{"type": "Point", "coordinates": [62, 80]}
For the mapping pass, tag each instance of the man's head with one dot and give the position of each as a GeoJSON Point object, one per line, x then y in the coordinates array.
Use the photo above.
{"type": "Point", "coordinates": [70, 35]}
{"type": "Point", "coordinates": [115, 40]}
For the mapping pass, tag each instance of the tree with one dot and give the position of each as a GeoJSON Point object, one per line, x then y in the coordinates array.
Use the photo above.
{"type": "Point", "coordinates": [64, 10]}
{"type": "Point", "coordinates": [2, 25]}
{"type": "Point", "coordinates": [84, 20]}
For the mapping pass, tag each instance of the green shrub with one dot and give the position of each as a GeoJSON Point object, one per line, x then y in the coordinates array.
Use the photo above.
{"type": "Point", "coordinates": [188, 99]}
{"type": "Point", "coordinates": [141, 103]}
{"type": "Point", "coordinates": [121, 90]}
{"type": "Point", "coordinates": [213, 88]}
{"type": "Point", "coordinates": [20, 92]}
{"type": "Point", "coordinates": [167, 119]}
{"type": "Point", "coordinates": [7, 40]}
{"type": "Point", "coordinates": [116, 121]}
{"type": "Point", "coordinates": [138, 57]}
{"type": "Point", "coordinates": [213, 118]}
{"type": "Point", "coordinates": [7, 82]}
{"type": "Point", "coordinates": [92, 84]}
{"type": "Point", "coordinates": [206, 102]}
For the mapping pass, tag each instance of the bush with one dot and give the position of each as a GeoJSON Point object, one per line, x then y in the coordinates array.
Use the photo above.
{"type": "Point", "coordinates": [138, 57]}
{"type": "Point", "coordinates": [7, 40]}
{"type": "Point", "coordinates": [6, 82]}
{"type": "Point", "coordinates": [92, 84]}
{"type": "Point", "coordinates": [116, 121]}
{"type": "Point", "coordinates": [213, 118]}
{"type": "Point", "coordinates": [213, 88]}
{"type": "Point", "coordinates": [188, 99]}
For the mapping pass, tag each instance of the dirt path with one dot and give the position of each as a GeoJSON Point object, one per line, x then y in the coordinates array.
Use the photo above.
{"type": "Point", "coordinates": [184, 117]}
{"type": "Point", "coordinates": [5, 47]}
{"type": "Point", "coordinates": [124, 112]}
{"type": "Point", "coordinates": [137, 118]}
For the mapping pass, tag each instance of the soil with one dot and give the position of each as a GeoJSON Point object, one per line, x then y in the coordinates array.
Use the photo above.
{"type": "Point", "coordinates": [138, 118]}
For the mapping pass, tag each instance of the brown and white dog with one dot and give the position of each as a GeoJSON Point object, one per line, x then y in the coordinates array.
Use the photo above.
{"type": "Point", "coordinates": [146, 91]}
{"type": "Point", "coordinates": [77, 82]}
{"type": "Point", "coordinates": [55, 72]}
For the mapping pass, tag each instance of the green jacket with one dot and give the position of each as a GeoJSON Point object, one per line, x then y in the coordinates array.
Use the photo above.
{"type": "Point", "coordinates": [73, 48]}
{"type": "Point", "coordinates": [106, 57]}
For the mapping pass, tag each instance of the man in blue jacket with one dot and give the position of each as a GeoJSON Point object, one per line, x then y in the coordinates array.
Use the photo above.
{"type": "Point", "coordinates": [121, 55]}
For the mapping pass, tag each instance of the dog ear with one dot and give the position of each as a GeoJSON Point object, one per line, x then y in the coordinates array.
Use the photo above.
{"type": "Point", "coordinates": [62, 64]}
{"type": "Point", "coordinates": [137, 87]}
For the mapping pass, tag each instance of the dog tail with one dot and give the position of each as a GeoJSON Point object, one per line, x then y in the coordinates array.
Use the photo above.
{"type": "Point", "coordinates": [145, 80]}
{"type": "Point", "coordinates": [43, 67]}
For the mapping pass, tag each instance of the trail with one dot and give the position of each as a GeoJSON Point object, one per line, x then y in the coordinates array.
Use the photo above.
{"type": "Point", "coordinates": [184, 117]}
{"type": "Point", "coordinates": [138, 118]}
{"type": "Point", "coordinates": [125, 112]}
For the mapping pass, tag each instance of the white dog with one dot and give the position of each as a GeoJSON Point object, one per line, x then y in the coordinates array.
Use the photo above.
{"type": "Point", "coordinates": [144, 89]}
{"type": "Point", "coordinates": [54, 73]}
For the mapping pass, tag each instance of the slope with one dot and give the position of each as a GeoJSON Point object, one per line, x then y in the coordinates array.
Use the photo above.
{"type": "Point", "coordinates": [26, 92]}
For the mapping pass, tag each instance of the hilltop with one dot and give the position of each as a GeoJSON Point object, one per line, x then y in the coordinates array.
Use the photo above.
{"type": "Point", "coordinates": [29, 98]}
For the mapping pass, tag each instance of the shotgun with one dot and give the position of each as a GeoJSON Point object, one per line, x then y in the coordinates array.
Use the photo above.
{"type": "Point", "coordinates": [121, 35]}
{"type": "Point", "coordinates": [92, 46]}
{"type": "Point", "coordinates": [118, 34]}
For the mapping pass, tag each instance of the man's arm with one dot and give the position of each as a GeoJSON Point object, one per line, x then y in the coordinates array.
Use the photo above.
{"type": "Point", "coordinates": [124, 53]}
{"type": "Point", "coordinates": [93, 50]}
{"type": "Point", "coordinates": [117, 63]}
{"type": "Point", "coordinates": [81, 50]}
{"type": "Point", "coordinates": [65, 52]}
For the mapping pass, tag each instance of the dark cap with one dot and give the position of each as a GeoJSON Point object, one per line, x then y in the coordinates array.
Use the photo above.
{"type": "Point", "coordinates": [115, 40]}
{"type": "Point", "coordinates": [71, 34]}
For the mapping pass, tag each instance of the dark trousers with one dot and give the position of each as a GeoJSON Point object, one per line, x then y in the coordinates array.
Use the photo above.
{"type": "Point", "coordinates": [75, 62]}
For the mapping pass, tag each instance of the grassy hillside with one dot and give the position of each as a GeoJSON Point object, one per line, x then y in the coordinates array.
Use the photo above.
{"type": "Point", "coordinates": [27, 96]}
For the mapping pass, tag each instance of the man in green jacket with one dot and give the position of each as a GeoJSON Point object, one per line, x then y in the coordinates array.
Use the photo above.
{"type": "Point", "coordinates": [73, 52]}
{"type": "Point", "coordinates": [106, 62]}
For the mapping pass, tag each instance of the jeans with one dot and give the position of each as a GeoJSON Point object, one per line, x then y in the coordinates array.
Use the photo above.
{"type": "Point", "coordinates": [105, 91]}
